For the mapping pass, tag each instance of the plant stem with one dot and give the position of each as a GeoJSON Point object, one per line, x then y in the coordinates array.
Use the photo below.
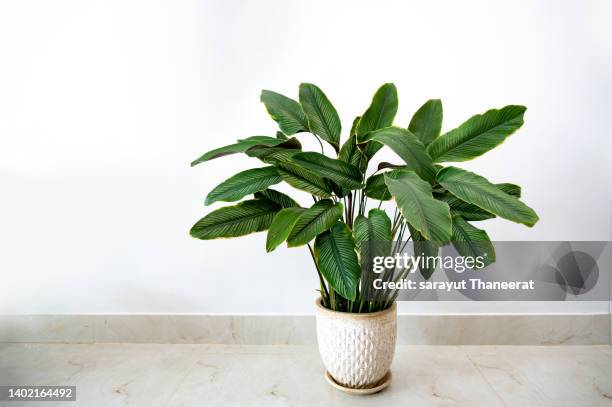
{"type": "Point", "coordinates": [321, 144]}
{"type": "Point", "coordinates": [324, 293]}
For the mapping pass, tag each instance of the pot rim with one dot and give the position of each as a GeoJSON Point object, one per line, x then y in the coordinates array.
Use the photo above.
{"type": "Point", "coordinates": [360, 315]}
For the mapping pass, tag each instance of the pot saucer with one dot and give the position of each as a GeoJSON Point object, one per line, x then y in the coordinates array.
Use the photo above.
{"type": "Point", "coordinates": [382, 384]}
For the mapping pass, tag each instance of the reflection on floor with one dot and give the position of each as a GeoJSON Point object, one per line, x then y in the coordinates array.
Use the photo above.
{"type": "Point", "coordinates": [231, 375]}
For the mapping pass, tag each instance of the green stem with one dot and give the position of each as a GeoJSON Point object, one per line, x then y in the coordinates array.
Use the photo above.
{"type": "Point", "coordinates": [324, 293]}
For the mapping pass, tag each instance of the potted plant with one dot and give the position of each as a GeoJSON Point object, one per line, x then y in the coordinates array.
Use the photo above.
{"type": "Point", "coordinates": [434, 206]}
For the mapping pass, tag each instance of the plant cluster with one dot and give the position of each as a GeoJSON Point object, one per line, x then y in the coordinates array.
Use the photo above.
{"type": "Point", "coordinates": [434, 204]}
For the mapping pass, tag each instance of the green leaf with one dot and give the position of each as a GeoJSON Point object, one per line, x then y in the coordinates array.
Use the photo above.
{"type": "Point", "coordinates": [376, 188]}
{"type": "Point", "coordinates": [281, 226]}
{"type": "Point", "coordinates": [323, 119]}
{"type": "Point", "coordinates": [375, 228]}
{"type": "Point", "coordinates": [384, 165]}
{"type": "Point", "coordinates": [286, 112]}
{"type": "Point", "coordinates": [510, 189]}
{"type": "Point", "coordinates": [240, 147]}
{"type": "Point", "coordinates": [303, 179]}
{"type": "Point", "coordinates": [336, 258]}
{"type": "Point", "coordinates": [427, 121]}
{"type": "Point", "coordinates": [471, 241]}
{"type": "Point", "coordinates": [350, 153]}
{"type": "Point", "coordinates": [425, 248]}
{"type": "Point", "coordinates": [379, 114]}
{"type": "Point", "coordinates": [354, 126]}
{"type": "Point", "coordinates": [271, 155]}
{"type": "Point", "coordinates": [314, 220]}
{"type": "Point", "coordinates": [344, 174]}
{"type": "Point", "coordinates": [414, 200]}
{"type": "Point", "coordinates": [408, 147]}
{"type": "Point", "coordinates": [467, 210]}
{"type": "Point", "coordinates": [244, 183]}
{"type": "Point", "coordinates": [470, 211]}
{"type": "Point", "coordinates": [477, 135]}
{"type": "Point", "coordinates": [238, 220]}
{"type": "Point", "coordinates": [381, 111]}
{"type": "Point", "coordinates": [278, 198]}
{"type": "Point", "coordinates": [477, 190]}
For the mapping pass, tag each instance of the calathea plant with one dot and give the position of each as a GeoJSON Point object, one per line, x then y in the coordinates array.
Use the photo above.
{"type": "Point", "coordinates": [435, 204]}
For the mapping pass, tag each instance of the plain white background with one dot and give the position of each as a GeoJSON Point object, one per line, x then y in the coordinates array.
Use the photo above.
{"type": "Point", "coordinates": [104, 104]}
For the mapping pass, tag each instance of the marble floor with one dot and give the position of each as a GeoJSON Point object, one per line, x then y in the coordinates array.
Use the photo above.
{"type": "Point", "coordinates": [237, 375]}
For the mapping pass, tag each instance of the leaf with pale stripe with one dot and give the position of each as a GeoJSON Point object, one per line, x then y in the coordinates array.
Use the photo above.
{"type": "Point", "coordinates": [285, 111]}
{"type": "Point", "coordinates": [336, 258]}
{"type": "Point", "coordinates": [379, 114]}
{"type": "Point", "coordinates": [232, 221]}
{"type": "Point", "coordinates": [281, 226]}
{"type": "Point", "coordinates": [342, 173]}
{"type": "Point", "coordinates": [477, 190]}
{"type": "Point", "coordinates": [242, 146]}
{"type": "Point", "coordinates": [314, 220]}
{"type": "Point", "coordinates": [471, 241]}
{"type": "Point", "coordinates": [472, 212]}
{"type": "Point", "coordinates": [350, 153]}
{"type": "Point", "coordinates": [381, 111]}
{"type": "Point", "coordinates": [416, 204]}
{"type": "Point", "coordinates": [303, 179]}
{"type": "Point", "coordinates": [375, 228]}
{"type": "Point", "coordinates": [408, 147]}
{"type": "Point", "coordinates": [477, 135]}
{"type": "Point", "coordinates": [427, 249]}
{"type": "Point", "coordinates": [376, 188]}
{"type": "Point", "coordinates": [278, 198]}
{"type": "Point", "coordinates": [426, 123]}
{"type": "Point", "coordinates": [244, 183]}
{"type": "Point", "coordinates": [323, 120]}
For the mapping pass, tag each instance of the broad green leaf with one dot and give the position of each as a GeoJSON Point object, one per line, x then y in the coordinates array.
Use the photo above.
{"type": "Point", "coordinates": [350, 153]}
{"type": "Point", "coordinates": [381, 111]}
{"type": "Point", "coordinates": [416, 204]}
{"type": "Point", "coordinates": [354, 126]}
{"type": "Point", "coordinates": [281, 135]}
{"type": "Point", "coordinates": [286, 112]}
{"type": "Point", "coordinates": [427, 121]}
{"type": "Point", "coordinates": [466, 210]}
{"type": "Point", "coordinates": [336, 258]}
{"type": "Point", "coordinates": [323, 119]}
{"type": "Point", "coordinates": [278, 198]}
{"type": "Point", "coordinates": [375, 228]}
{"type": "Point", "coordinates": [244, 183]}
{"type": "Point", "coordinates": [477, 190]}
{"type": "Point", "coordinates": [426, 249]}
{"type": "Point", "coordinates": [470, 211]}
{"type": "Point", "coordinates": [477, 135]}
{"type": "Point", "coordinates": [408, 147]}
{"type": "Point", "coordinates": [314, 220]}
{"type": "Point", "coordinates": [240, 147]}
{"type": "Point", "coordinates": [471, 241]}
{"type": "Point", "coordinates": [281, 226]}
{"type": "Point", "coordinates": [344, 174]}
{"type": "Point", "coordinates": [510, 189]}
{"type": "Point", "coordinates": [238, 220]}
{"type": "Point", "coordinates": [379, 114]}
{"type": "Point", "coordinates": [271, 155]}
{"type": "Point", "coordinates": [376, 188]}
{"type": "Point", "coordinates": [303, 179]}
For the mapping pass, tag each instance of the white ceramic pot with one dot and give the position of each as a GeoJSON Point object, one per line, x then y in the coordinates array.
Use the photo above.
{"type": "Point", "coordinates": [357, 349]}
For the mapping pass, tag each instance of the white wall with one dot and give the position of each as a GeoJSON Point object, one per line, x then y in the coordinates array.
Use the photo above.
{"type": "Point", "coordinates": [104, 104]}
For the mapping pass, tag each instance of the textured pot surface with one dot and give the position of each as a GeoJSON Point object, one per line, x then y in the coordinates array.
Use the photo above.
{"type": "Point", "coordinates": [357, 349]}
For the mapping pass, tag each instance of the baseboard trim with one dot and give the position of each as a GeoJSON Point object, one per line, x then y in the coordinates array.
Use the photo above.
{"type": "Point", "coordinates": [570, 329]}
